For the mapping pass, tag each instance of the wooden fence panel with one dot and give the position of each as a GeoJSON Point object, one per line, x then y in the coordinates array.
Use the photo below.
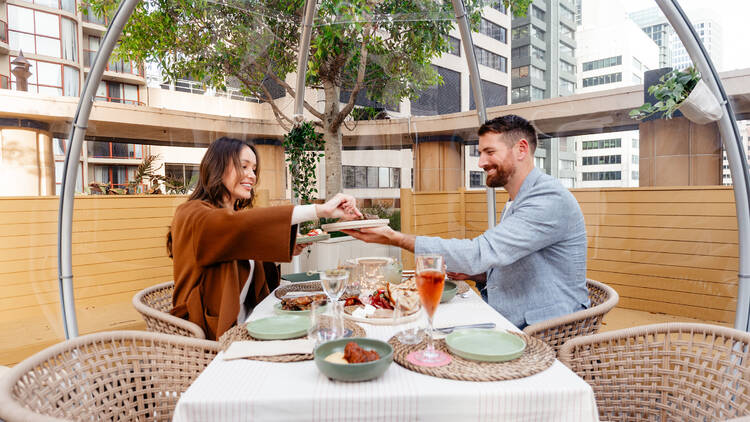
{"type": "Point", "coordinates": [671, 250]}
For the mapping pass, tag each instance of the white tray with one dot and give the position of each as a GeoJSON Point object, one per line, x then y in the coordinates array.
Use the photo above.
{"type": "Point", "coordinates": [311, 239]}
{"type": "Point", "coordinates": [354, 224]}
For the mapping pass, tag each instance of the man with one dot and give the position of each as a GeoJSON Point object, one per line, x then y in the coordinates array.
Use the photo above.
{"type": "Point", "coordinates": [534, 260]}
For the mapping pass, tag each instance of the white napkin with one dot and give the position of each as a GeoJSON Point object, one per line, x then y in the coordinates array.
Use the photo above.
{"type": "Point", "coordinates": [246, 349]}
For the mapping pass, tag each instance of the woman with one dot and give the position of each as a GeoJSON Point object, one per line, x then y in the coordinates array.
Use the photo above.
{"type": "Point", "coordinates": [217, 240]}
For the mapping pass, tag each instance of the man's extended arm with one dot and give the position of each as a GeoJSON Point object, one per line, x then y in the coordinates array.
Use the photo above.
{"type": "Point", "coordinates": [385, 236]}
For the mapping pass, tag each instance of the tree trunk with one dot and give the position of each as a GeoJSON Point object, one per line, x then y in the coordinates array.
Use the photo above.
{"type": "Point", "coordinates": [332, 136]}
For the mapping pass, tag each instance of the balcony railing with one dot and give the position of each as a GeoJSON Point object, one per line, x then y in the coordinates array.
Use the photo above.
{"type": "Point", "coordinates": [114, 65]}
{"type": "Point", "coordinates": [195, 87]}
{"type": "Point", "coordinates": [118, 100]}
{"type": "Point", "coordinates": [3, 31]}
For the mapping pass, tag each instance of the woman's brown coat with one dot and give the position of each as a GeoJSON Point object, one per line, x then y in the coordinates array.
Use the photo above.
{"type": "Point", "coordinates": [211, 248]}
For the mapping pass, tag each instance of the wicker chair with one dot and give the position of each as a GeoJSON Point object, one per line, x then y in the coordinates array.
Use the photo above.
{"type": "Point", "coordinates": [557, 331]}
{"type": "Point", "coordinates": [668, 372]}
{"type": "Point", "coordinates": [117, 375]}
{"type": "Point", "coordinates": [154, 304]}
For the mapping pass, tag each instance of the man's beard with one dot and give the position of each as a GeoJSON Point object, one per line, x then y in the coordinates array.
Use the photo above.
{"type": "Point", "coordinates": [501, 177]}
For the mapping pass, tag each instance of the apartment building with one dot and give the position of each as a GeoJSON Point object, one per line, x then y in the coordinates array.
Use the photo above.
{"type": "Point", "coordinates": [613, 52]}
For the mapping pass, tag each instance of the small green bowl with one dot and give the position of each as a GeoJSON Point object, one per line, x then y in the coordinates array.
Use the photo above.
{"type": "Point", "coordinates": [353, 371]}
{"type": "Point", "coordinates": [449, 291]}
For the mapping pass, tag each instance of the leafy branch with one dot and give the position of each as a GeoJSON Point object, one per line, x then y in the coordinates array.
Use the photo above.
{"type": "Point", "coordinates": [673, 88]}
{"type": "Point", "coordinates": [303, 145]}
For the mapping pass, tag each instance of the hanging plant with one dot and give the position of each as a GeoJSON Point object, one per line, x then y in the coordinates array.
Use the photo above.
{"type": "Point", "coordinates": [303, 148]}
{"type": "Point", "coordinates": [673, 88]}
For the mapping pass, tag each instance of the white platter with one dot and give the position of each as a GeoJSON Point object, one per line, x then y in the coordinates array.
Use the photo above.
{"type": "Point", "coordinates": [312, 239]}
{"type": "Point", "coordinates": [354, 224]}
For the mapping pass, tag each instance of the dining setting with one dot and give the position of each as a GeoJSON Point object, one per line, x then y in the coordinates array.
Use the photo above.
{"type": "Point", "coordinates": [370, 340]}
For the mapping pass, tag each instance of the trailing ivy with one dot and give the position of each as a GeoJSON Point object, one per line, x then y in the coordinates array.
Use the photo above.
{"type": "Point", "coordinates": [303, 148]}
{"type": "Point", "coordinates": [673, 88]}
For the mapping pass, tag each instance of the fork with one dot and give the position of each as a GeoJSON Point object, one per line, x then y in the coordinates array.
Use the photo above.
{"type": "Point", "coordinates": [448, 330]}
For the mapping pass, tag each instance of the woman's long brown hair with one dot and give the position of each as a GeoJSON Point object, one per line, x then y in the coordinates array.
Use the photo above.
{"type": "Point", "coordinates": [220, 154]}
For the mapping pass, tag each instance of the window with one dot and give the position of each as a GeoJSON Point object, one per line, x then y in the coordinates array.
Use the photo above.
{"type": "Point", "coordinates": [602, 143]}
{"type": "Point", "coordinates": [602, 159]}
{"type": "Point", "coordinates": [567, 32]}
{"type": "Point", "coordinates": [567, 67]}
{"type": "Point", "coordinates": [637, 64]}
{"type": "Point", "coordinates": [537, 33]}
{"type": "Point", "coordinates": [520, 72]}
{"type": "Point", "coordinates": [115, 92]}
{"type": "Point", "coordinates": [34, 31]}
{"type": "Point", "coordinates": [634, 175]}
{"type": "Point", "coordinates": [539, 163]}
{"type": "Point", "coordinates": [537, 53]}
{"type": "Point", "coordinates": [182, 172]}
{"type": "Point", "coordinates": [473, 150]}
{"type": "Point", "coordinates": [500, 7]}
{"type": "Point", "coordinates": [537, 93]}
{"type": "Point", "coordinates": [476, 179]}
{"type": "Point", "coordinates": [519, 52]}
{"type": "Point", "coordinates": [537, 12]}
{"type": "Point", "coordinates": [97, 149]}
{"type": "Point", "coordinates": [493, 30]}
{"type": "Point", "coordinates": [566, 49]}
{"type": "Point", "coordinates": [636, 143]}
{"type": "Point", "coordinates": [537, 73]}
{"type": "Point", "coordinates": [491, 59]}
{"type": "Point", "coordinates": [566, 13]}
{"type": "Point", "coordinates": [362, 177]}
{"type": "Point", "coordinates": [89, 16]}
{"type": "Point", "coordinates": [602, 175]}
{"type": "Point", "coordinates": [520, 32]}
{"type": "Point", "coordinates": [59, 168]}
{"type": "Point", "coordinates": [455, 46]}
{"type": "Point", "coordinates": [114, 176]}
{"type": "Point", "coordinates": [567, 164]}
{"type": "Point", "coordinates": [636, 78]}
{"type": "Point", "coordinates": [567, 87]}
{"type": "Point", "coordinates": [635, 159]}
{"type": "Point", "coordinates": [51, 78]}
{"type": "Point", "coordinates": [602, 79]}
{"type": "Point", "coordinates": [440, 99]}
{"type": "Point", "coordinates": [602, 63]}
{"type": "Point", "coordinates": [494, 95]}
{"type": "Point", "coordinates": [520, 94]}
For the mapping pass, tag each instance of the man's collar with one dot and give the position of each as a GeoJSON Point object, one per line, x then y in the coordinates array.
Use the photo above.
{"type": "Point", "coordinates": [529, 181]}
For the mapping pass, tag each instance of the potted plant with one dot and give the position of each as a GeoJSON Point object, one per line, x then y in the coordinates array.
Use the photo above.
{"type": "Point", "coordinates": [303, 148]}
{"type": "Point", "coordinates": [684, 91]}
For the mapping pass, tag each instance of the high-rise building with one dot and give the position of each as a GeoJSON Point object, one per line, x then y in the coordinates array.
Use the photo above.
{"type": "Point", "coordinates": [613, 52]}
{"type": "Point", "coordinates": [544, 66]}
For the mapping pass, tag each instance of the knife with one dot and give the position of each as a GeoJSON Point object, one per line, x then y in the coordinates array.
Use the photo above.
{"type": "Point", "coordinates": [448, 330]}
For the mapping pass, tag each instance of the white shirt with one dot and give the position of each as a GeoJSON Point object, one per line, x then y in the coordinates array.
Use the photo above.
{"type": "Point", "coordinates": [299, 214]}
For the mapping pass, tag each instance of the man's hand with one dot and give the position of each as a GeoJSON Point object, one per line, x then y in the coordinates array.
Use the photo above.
{"type": "Point", "coordinates": [482, 278]}
{"type": "Point", "coordinates": [340, 206]}
{"type": "Point", "coordinates": [383, 235]}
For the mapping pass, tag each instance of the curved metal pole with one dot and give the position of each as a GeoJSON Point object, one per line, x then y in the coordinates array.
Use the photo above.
{"type": "Point", "coordinates": [730, 137]}
{"type": "Point", "coordinates": [70, 169]}
{"type": "Point", "coordinates": [476, 86]}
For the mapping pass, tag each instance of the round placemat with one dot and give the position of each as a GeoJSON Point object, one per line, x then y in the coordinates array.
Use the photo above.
{"type": "Point", "coordinates": [307, 286]}
{"type": "Point", "coordinates": [537, 357]}
{"type": "Point", "coordinates": [239, 333]}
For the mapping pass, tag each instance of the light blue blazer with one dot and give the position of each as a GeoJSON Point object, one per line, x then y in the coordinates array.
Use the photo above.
{"type": "Point", "coordinates": [534, 259]}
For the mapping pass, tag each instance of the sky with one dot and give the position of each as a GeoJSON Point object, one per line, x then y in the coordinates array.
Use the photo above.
{"type": "Point", "coordinates": [733, 17]}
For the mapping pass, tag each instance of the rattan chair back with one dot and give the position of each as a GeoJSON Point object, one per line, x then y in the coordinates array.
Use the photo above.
{"type": "Point", "coordinates": [111, 376]}
{"type": "Point", "coordinates": [668, 372]}
{"type": "Point", "coordinates": [154, 304]}
{"type": "Point", "coordinates": [557, 331]}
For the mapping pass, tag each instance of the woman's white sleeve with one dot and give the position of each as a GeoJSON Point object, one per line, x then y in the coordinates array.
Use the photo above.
{"type": "Point", "coordinates": [303, 213]}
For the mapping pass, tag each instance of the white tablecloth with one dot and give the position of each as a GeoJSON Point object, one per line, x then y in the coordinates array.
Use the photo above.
{"type": "Point", "coordinates": [245, 390]}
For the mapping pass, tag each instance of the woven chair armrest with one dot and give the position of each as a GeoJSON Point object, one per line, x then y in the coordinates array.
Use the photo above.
{"type": "Point", "coordinates": [194, 329]}
{"type": "Point", "coordinates": [601, 309]}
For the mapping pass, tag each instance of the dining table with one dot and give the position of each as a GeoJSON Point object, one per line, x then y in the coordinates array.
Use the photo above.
{"type": "Point", "coordinates": [253, 390]}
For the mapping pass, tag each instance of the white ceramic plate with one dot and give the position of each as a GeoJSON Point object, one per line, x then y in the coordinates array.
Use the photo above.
{"type": "Point", "coordinates": [311, 239]}
{"type": "Point", "coordinates": [354, 224]}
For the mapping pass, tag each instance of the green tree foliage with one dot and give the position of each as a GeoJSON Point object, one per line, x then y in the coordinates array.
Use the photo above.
{"type": "Point", "coordinates": [303, 146]}
{"type": "Point", "coordinates": [384, 47]}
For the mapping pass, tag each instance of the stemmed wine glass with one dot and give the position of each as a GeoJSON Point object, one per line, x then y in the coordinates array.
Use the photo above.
{"type": "Point", "coordinates": [334, 283]}
{"type": "Point", "coordinates": [430, 282]}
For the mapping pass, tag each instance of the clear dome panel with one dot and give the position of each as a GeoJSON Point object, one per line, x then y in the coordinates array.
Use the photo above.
{"type": "Point", "coordinates": [388, 88]}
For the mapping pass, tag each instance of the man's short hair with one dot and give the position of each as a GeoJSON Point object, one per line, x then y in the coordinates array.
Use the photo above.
{"type": "Point", "coordinates": [513, 127]}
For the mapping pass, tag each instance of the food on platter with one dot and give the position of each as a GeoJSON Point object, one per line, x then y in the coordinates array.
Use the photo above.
{"type": "Point", "coordinates": [315, 232]}
{"type": "Point", "coordinates": [405, 294]}
{"type": "Point", "coordinates": [301, 303]}
{"type": "Point", "coordinates": [381, 302]}
{"type": "Point", "coordinates": [351, 301]}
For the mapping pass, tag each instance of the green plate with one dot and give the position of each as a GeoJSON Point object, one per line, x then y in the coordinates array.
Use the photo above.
{"type": "Point", "coordinates": [449, 291]}
{"type": "Point", "coordinates": [279, 327]}
{"type": "Point", "coordinates": [311, 239]}
{"type": "Point", "coordinates": [277, 308]}
{"type": "Point", "coordinates": [485, 345]}
{"type": "Point", "coordinates": [299, 277]}
{"type": "Point", "coordinates": [353, 371]}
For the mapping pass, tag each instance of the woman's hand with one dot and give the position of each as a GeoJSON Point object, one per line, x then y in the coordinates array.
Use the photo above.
{"type": "Point", "coordinates": [298, 248]}
{"type": "Point", "coordinates": [340, 206]}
